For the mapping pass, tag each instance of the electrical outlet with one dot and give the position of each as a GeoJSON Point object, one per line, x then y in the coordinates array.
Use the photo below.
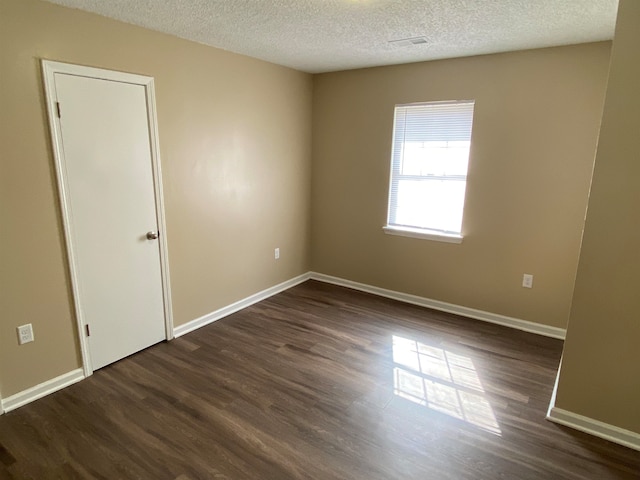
{"type": "Point", "coordinates": [276, 253]}
{"type": "Point", "coordinates": [527, 280]}
{"type": "Point", "coordinates": [25, 333]}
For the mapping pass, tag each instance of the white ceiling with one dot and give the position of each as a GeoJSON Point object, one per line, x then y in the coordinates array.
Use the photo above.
{"type": "Point", "coordinates": [327, 35]}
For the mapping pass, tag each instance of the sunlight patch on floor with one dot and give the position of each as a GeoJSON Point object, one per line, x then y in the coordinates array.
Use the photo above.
{"type": "Point", "coordinates": [442, 381]}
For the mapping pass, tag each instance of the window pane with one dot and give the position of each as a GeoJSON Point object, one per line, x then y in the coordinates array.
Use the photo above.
{"type": "Point", "coordinates": [434, 204]}
{"type": "Point", "coordinates": [435, 158]}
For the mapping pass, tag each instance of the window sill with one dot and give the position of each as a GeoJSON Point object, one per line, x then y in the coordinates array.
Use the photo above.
{"type": "Point", "coordinates": [424, 234]}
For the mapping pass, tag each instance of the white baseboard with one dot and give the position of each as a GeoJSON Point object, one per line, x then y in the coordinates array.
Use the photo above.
{"type": "Point", "coordinates": [55, 384]}
{"type": "Point", "coordinates": [563, 417]}
{"type": "Point", "coordinates": [41, 390]}
{"type": "Point", "coordinates": [239, 305]}
{"type": "Point", "coordinates": [595, 427]}
{"type": "Point", "coordinates": [525, 325]}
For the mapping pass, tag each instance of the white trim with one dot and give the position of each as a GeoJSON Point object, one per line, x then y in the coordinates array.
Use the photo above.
{"type": "Point", "coordinates": [239, 305]}
{"type": "Point", "coordinates": [423, 234]}
{"type": "Point", "coordinates": [516, 323]}
{"type": "Point", "coordinates": [51, 66]}
{"type": "Point", "coordinates": [552, 402]}
{"type": "Point", "coordinates": [595, 427]}
{"type": "Point", "coordinates": [34, 393]}
{"type": "Point", "coordinates": [159, 197]}
{"type": "Point", "coordinates": [49, 69]}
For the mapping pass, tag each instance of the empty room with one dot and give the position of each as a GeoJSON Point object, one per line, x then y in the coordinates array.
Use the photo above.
{"type": "Point", "coordinates": [319, 239]}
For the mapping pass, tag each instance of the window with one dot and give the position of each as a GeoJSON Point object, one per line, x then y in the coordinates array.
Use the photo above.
{"type": "Point", "coordinates": [429, 160]}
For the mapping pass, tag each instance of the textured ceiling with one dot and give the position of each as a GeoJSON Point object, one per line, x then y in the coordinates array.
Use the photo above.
{"type": "Point", "coordinates": [328, 35]}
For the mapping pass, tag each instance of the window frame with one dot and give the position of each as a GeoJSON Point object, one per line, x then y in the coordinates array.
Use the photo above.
{"type": "Point", "coordinates": [395, 177]}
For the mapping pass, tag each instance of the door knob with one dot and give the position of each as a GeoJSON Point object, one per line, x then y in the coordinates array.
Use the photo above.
{"type": "Point", "coordinates": [153, 235]}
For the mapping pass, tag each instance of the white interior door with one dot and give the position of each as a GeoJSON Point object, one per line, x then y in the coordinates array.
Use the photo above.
{"type": "Point", "coordinates": [105, 157]}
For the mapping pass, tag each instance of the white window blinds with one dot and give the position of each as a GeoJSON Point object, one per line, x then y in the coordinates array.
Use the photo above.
{"type": "Point", "coordinates": [431, 143]}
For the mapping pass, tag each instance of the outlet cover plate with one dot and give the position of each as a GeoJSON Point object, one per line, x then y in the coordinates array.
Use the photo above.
{"type": "Point", "coordinates": [25, 334]}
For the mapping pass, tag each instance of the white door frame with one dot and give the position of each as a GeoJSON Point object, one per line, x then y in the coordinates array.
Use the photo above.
{"type": "Point", "coordinates": [49, 69]}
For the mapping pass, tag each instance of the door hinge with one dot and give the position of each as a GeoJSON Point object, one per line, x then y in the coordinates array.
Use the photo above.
{"type": "Point", "coordinates": [86, 328]}
{"type": "Point", "coordinates": [58, 109]}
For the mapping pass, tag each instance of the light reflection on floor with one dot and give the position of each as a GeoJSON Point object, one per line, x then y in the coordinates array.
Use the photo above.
{"type": "Point", "coordinates": [441, 380]}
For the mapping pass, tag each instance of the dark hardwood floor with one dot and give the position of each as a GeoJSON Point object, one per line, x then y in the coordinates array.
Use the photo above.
{"type": "Point", "coordinates": [319, 382]}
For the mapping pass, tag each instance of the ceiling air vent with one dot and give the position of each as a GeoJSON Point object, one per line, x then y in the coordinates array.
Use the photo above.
{"type": "Point", "coordinates": [405, 42]}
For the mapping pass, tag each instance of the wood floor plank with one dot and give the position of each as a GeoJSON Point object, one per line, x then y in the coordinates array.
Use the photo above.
{"type": "Point", "coordinates": [318, 382]}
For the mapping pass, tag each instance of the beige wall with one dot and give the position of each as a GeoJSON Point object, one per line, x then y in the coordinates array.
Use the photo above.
{"type": "Point", "coordinates": [537, 117]}
{"type": "Point", "coordinates": [235, 138]}
{"type": "Point", "coordinates": [600, 375]}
